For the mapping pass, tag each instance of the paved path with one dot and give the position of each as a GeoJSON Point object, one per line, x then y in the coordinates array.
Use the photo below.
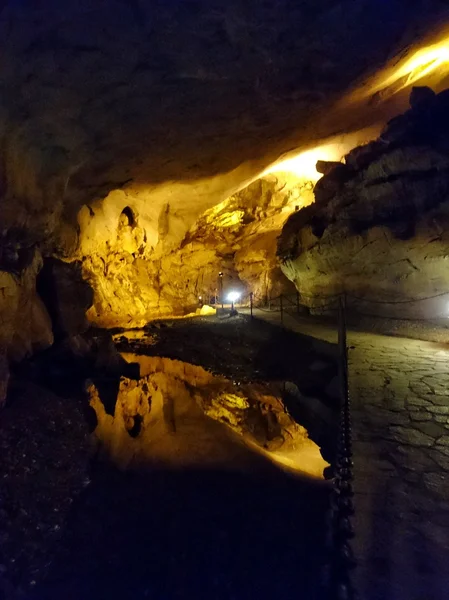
{"type": "Point", "coordinates": [400, 393]}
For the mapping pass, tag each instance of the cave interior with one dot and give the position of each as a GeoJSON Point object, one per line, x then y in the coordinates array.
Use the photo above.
{"type": "Point", "coordinates": [192, 193]}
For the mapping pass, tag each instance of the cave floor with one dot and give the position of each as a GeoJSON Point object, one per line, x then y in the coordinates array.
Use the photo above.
{"type": "Point", "coordinates": [248, 530]}
{"type": "Point", "coordinates": [241, 529]}
{"type": "Point", "coordinates": [400, 398]}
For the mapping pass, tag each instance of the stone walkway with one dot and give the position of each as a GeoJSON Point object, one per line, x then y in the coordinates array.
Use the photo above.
{"type": "Point", "coordinates": [400, 394]}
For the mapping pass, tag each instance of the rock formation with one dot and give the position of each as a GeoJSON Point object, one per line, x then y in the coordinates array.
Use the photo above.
{"type": "Point", "coordinates": [25, 326]}
{"type": "Point", "coordinates": [133, 282]}
{"type": "Point", "coordinates": [121, 123]}
{"type": "Point", "coordinates": [378, 227]}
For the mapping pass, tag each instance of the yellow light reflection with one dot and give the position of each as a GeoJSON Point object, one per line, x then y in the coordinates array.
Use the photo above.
{"type": "Point", "coordinates": [420, 65]}
{"type": "Point", "coordinates": [303, 165]}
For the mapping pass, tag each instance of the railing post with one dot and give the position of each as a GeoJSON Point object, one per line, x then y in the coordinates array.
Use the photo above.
{"type": "Point", "coordinates": [282, 309]}
{"type": "Point", "coordinates": [251, 304]}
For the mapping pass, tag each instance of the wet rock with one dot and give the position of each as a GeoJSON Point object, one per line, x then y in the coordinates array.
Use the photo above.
{"type": "Point", "coordinates": [438, 410]}
{"type": "Point", "coordinates": [413, 459]}
{"type": "Point", "coordinates": [433, 429]}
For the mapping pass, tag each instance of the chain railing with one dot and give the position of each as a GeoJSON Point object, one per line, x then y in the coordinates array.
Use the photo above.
{"type": "Point", "coordinates": [356, 306]}
{"type": "Point", "coordinates": [338, 578]}
{"type": "Point", "coordinates": [341, 561]}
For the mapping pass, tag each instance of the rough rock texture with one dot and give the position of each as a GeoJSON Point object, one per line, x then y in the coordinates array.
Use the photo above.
{"type": "Point", "coordinates": [25, 326]}
{"type": "Point", "coordinates": [24, 322]}
{"type": "Point", "coordinates": [148, 413]}
{"type": "Point", "coordinates": [381, 233]}
{"type": "Point", "coordinates": [132, 282]}
{"type": "Point", "coordinates": [98, 94]}
{"type": "Point", "coordinates": [66, 295]}
{"type": "Point", "coordinates": [168, 108]}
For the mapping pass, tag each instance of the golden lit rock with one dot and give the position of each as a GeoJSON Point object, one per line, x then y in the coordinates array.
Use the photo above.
{"type": "Point", "coordinates": [113, 152]}
{"type": "Point", "coordinates": [379, 233]}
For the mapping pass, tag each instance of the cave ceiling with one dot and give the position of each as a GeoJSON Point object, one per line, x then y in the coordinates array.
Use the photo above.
{"type": "Point", "coordinates": [102, 95]}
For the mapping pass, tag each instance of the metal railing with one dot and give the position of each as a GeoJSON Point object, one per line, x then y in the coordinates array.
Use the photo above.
{"type": "Point", "coordinates": [284, 303]}
{"type": "Point", "coordinates": [434, 307]}
{"type": "Point", "coordinates": [340, 562]}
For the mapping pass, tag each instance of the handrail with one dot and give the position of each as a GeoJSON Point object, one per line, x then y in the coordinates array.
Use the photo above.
{"type": "Point", "coordinates": [341, 558]}
{"type": "Point", "coordinates": [349, 295]}
{"type": "Point", "coordinates": [278, 304]}
{"type": "Point", "coordinates": [337, 581]}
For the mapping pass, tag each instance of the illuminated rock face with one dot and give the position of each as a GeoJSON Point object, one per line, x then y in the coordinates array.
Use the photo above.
{"type": "Point", "coordinates": [380, 232]}
{"type": "Point", "coordinates": [168, 109]}
{"type": "Point", "coordinates": [179, 413]}
{"type": "Point", "coordinates": [134, 281]}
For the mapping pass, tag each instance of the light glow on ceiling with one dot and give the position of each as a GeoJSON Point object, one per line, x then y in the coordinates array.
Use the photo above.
{"type": "Point", "coordinates": [424, 62]}
{"type": "Point", "coordinates": [303, 165]}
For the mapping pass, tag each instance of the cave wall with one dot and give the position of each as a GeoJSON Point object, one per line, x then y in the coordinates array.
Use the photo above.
{"type": "Point", "coordinates": [379, 227]}
{"type": "Point", "coordinates": [111, 95]}
{"type": "Point", "coordinates": [134, 280]}
{"type": "Point", "coordinates": [25, 326]}
{"type": "Point", "coordinates": [168, 108]}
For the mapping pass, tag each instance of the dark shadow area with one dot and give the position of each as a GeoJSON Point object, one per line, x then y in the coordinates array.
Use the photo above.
{"type": "Point", "coordinates": [242, 531]}
{"type": "Point", "coordinates": [192, 534]}
{"type": "Point", "coordinates": [127, 216]}
{"type": "Point", "coordinates": [320, 421]}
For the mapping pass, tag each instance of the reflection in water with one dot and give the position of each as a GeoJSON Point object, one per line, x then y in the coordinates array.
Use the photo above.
{"type": "Point", "coordinates": [179, 415]}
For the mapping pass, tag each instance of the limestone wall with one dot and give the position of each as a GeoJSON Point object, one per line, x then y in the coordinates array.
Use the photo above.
{"type": "Point", "coordinates": [134, 280]}
{"type": "Point", "coordinates": [379, 228]}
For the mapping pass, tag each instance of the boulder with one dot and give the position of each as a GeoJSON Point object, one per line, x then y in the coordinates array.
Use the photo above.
{"type": "Point", "coordinates": [328, 186]}
{"type": "Point", "coordinates": [326, 166]}
{"type": "Point", "coordinates": [66, 295]}
{"type": "Point", "coordinates": [25, 323]}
